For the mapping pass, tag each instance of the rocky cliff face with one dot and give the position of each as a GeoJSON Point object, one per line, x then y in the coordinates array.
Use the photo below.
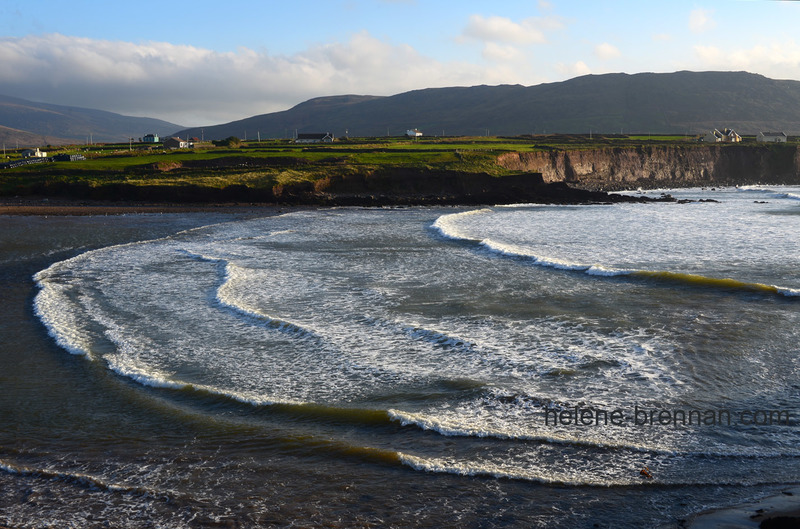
{"type": "Point", "coordinates": [615, 168]}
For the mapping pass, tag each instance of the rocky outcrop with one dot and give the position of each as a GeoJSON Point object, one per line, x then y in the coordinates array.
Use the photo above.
{"type": "Point", "coordinates": [392, 187]}
{"type": "Point", "coordinates": [404, 186]}
{"type": "Point", "coordinates": [614, 168]}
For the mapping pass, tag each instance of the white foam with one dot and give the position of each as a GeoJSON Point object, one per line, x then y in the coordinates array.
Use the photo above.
{"type": "Point", "coordinates": [515, 429]}
{"type": "Point", "coordinates": [447, 224]}
{"type": "Point", "coordinates": [597, 270]}
{"type": "Point", "coordinates": [53, 307]}
{"type": "Point", "coordinates": [546, 474]}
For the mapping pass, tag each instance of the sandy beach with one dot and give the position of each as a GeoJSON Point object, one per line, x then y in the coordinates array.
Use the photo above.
{"type": "Point", "coordinates": [781, 511]}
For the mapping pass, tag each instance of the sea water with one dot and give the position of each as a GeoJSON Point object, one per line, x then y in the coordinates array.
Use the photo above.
{"type": "Point", "coordinates": [544, 358]}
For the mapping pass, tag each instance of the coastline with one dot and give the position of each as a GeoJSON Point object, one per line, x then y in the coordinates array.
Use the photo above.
{"type": "Point", "coordinates": [745, 515]}
{"type": "Point", "coordinates": [45, 206]}
{"type": "Point", "coordinates": [446, 195]}
{"type": "Point", "coordinates": [780, 511]}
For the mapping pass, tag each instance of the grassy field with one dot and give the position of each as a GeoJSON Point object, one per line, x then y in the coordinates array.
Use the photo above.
{"type": "Point", "coordinates": [265, 164]}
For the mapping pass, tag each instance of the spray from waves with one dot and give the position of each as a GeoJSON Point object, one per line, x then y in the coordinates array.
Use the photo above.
{"type": "Point", "coordinates": [459, 428]}
{"type": "Point", "coordinates": [546, 474]}
{"type": "Point", "coordinates": [55, 306]}
{"type": "Point", "coordinates": [52, 306]}
{"type": "Point", "coordinates": [81, 479]}
{"type": "Point", "coordinates": [447, 226]}
{"type": "Point", "coordinates": [588, 472]}
{"type": "Point", "coordinates": [788, 195]}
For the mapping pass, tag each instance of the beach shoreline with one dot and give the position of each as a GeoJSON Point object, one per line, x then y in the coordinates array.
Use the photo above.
{"type": "Point", "coordinates": [779, 511]}
{"type": "Point", "coordinates": [45, 206]}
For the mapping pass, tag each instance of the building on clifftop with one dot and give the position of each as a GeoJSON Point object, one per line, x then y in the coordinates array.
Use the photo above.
{"type": "Point", "coordinates": [773, 137]}
{"type": "Point", "coordinates": [726, 136]}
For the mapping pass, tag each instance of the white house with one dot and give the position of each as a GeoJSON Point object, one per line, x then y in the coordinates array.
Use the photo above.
{"type": "Point", "coordinates": [774, 137]}
{"type": "Point", "coordinates": [413, 133]}
{"type": "Point", "coordinates": [176, 143]}
{"type": "Point", "coordinates": [34, 153]}
{"type": "Point", "coordinates": [726, 136]}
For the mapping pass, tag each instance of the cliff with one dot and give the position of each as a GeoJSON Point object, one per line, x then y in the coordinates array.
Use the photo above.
{"type": "Point", "coordinates": [615, 168]}
{"type": "Point", "coordinates": [388, 187]}
{"type": "Point", "coordinates": [408, 186]}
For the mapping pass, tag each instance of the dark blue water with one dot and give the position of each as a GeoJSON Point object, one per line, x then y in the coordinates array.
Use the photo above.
{"type": "Point", "coordinates": [501, 367]}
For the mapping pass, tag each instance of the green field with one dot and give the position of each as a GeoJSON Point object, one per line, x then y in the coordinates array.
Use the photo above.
{"type": "Point", "coordinates": [265, 164]}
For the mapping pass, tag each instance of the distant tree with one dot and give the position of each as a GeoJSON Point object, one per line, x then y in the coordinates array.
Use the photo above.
{"type": "Point", "coordinates": [230, 141]}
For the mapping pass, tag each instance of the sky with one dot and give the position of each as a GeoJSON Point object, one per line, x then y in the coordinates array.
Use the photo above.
{"type": "Point", "coordinates": [203, 63]}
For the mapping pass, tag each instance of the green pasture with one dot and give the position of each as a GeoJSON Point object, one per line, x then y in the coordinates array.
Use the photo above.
{"type": "Point", "coordinates": [248, 163]}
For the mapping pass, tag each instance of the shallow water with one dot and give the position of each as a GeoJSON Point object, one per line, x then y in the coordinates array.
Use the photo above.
{"type": "Point", "coordinates": [402, 367]}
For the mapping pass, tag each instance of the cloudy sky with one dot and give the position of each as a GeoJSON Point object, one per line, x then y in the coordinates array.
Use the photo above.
{"type": "Point", "coordinates": [201, 62]}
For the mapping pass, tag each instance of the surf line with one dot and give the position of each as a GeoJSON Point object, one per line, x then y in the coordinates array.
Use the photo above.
{"type": "Point", "coordinates": [713, 282]}
{"type": "Point", "coordinates": [684, 278]}
{"type": "Point", "coordinates": [444, 226]}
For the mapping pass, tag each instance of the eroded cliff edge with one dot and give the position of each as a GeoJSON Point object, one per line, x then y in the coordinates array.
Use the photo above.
{"type": "Point", "coordinates": [616, 168]}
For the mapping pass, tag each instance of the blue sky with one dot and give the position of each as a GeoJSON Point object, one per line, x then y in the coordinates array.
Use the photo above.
{"type": "Point", "coordinates": [201, 62]}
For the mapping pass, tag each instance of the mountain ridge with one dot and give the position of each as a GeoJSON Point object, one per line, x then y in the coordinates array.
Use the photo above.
{"type": "Point", "coordinates": [660, 103]}
{"type": "Point", "coordinates": [34, 123]}
{"type": "Point", "coordinates": [684, 103]}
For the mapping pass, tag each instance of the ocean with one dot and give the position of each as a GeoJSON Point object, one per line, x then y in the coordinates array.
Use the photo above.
{"type": "Point", "coordinates": [624, 365]}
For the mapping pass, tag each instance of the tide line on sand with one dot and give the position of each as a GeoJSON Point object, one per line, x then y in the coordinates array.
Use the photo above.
{"type": "Point", "coordinates": [773, 512]}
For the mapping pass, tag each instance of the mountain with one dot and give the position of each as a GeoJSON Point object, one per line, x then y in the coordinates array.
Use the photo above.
{"type": "Point", "coordinates": [31, 123]}
{"type": "Point", "coordinates": [677, 103]}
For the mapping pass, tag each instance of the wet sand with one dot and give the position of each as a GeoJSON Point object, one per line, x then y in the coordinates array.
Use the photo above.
{"type": "Point", "coordinates": [781, 511]}
{"type": "Point", "coordinates": [61, 207]}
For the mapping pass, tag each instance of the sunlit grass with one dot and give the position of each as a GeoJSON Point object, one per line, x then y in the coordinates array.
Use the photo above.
{"type": "Point", "coordinates": [269, 163]}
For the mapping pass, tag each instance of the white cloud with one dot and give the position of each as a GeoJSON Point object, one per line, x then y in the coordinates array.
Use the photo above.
{"type": "Point", "coordinates": [575, 69]}
{"type": "Point", "coordinates": [606, 51]}
{"type": "Point", "coordinates": [708, 54]}
{"type": "Point", "coordinates": [501, 29]}
{"type": "Point", "coordinates": [700, 20]}
{"type": "Point", "coordinates": [498, 53]}
{"type": "Point", "coordinates": [193, 86]}
{"type": "Point", "coordinates": [779, 60]}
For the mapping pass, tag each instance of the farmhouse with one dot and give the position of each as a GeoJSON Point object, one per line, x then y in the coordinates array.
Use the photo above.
{"type": "Point", "coordinates": [413, 133]}
{"type": "Point", "coordinates": [726, 136]}
{"type": "Point", "coordinates": [774, 137]}
{"type": "Point", "coordinates": [34, 153]}
{"type": "Point", "coordinates": [176, 143]}
{"type": "Point", "coordinates": [150, 138]}
{"type": "Point", "coordinates": [315, 137]}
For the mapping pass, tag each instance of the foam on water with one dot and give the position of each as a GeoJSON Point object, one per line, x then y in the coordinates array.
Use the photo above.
{"type": "Point", "coordinates": [364, 314]}
{"type": "Point", "coordinates": [790, 195]}
{"type": "Point", "coordinates": [657, 236]}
